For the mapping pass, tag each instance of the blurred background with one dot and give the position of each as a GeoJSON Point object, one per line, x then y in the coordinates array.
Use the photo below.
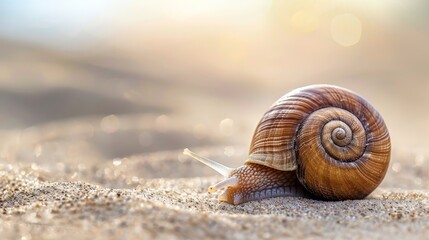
{"type": "Point", "coordinates": [87, 81]}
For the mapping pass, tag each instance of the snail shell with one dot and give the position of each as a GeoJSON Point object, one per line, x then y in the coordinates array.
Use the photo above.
{"type": "Point", "coordinates": [321, 139]}
{"type": "Point", "coordinates": [335, 139]}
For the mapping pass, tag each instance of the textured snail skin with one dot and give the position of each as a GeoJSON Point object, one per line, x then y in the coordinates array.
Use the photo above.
{"type": "Point", "coordinates": [319, 141]}
{"type": "Point", "coordinates": [257, 182]}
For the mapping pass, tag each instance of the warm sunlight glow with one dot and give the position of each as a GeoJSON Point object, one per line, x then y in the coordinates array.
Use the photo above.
{"type": "Point", "coordinates": [305, 20]}
{"type": "Point", "coordinates": [346, 29]}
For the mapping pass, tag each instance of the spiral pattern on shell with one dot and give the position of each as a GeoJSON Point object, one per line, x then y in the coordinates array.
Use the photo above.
{"type": "Point", "coordinates": [334, 139]}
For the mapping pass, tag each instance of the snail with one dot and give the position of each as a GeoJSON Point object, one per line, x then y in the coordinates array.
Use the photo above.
{"type": "Point", "coordinates": [319, 141]}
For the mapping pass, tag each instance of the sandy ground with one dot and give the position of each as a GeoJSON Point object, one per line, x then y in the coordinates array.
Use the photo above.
{"type": "Point", "coordinates": [163, 195]}
{"type": "Point", "coordinates": [102, 158]}
{"type": "Point", "coordinates": [179, 208]}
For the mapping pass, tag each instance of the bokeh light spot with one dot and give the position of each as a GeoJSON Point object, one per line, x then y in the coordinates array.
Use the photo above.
{"type": "Point", "coordinates": [346, 29]}
{"type": "Point", "coordinates": [117, 162]}
{"type": "Point", "coordinates": [38, 150]}
{"type": "Point", "coordinates": [229, 151]}
{"type": "Point", "coordinates": [226, 126]}
{"type": "Point", "coordinates": [305, 21]}
{"type": "Point", "coordinates": [109, 124]}
{"type": "Point", "coordinates": [396, 167]}
{"type": "Point", "coordinates": [162, 123]}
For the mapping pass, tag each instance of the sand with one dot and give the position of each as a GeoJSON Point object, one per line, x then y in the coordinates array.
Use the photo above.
{"type": "Point", "coordinates": [110, 201]}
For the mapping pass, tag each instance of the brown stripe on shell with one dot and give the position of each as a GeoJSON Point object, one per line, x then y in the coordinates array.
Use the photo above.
{"type": "Point", "coordinates": [280, 142]}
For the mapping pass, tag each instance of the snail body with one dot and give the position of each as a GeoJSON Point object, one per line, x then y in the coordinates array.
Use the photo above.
{"type": "Point", "coordinates": [319, 141]}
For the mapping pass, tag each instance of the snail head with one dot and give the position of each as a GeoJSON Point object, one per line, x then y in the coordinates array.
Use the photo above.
{"type": "Point", "coordinates": [248, 182]}
{"type": "Point", "coordinates": [231, 181]}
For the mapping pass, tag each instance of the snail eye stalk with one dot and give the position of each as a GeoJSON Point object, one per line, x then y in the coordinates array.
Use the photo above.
{"type": "Point", "coordinates": [220, 168]}
{"type": "Point", "coordinates": [228, 182]}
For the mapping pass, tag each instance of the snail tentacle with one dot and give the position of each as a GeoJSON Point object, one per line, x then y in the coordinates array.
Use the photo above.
{"type": "Point", "coordinates": [220, 168]}
{"type": "Point", "coordinates": [228, 182]}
